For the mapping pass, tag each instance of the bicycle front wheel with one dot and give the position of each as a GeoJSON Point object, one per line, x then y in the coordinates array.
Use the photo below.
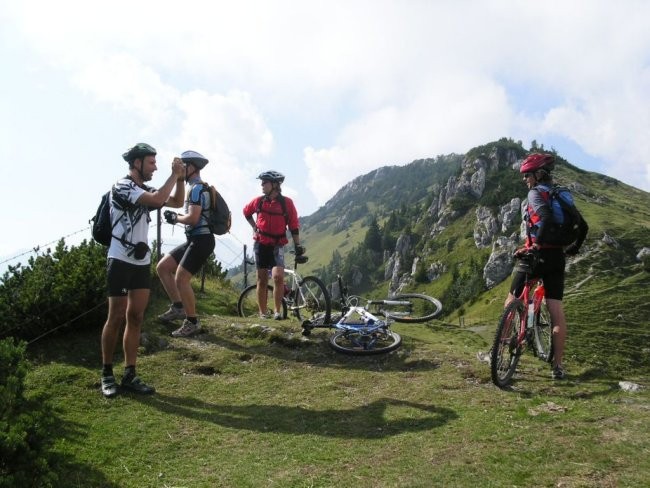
{"type": "Point", "coordinates": [411, 307]}
{"type": "Point", "coordinates": [543, 332]}
{"type": "Point", "coordinates": [363, 343]}
{"type": "Point", "coordinates": [247, 304]}
{"type": "Point", "coordinates": [506, 350]}
{"type": "Point", "coordinates": [312, 301]}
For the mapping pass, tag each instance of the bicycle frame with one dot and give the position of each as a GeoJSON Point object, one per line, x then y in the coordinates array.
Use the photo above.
{"type": "Point", "coordinates": [536, 302]}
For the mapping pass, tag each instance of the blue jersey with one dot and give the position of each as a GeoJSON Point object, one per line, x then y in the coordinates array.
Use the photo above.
{"type": "Point", "coordinates": [198, 195]}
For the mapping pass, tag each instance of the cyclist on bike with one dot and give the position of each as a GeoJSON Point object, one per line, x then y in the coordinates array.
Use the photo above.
{"type": "Point", "coordinates": [275, 213]}
{"type": "Point", "coordinates": [536, 170]}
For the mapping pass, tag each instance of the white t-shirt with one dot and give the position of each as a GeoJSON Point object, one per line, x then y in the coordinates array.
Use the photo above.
{"type": "Point", "coordinates": [132, 221]}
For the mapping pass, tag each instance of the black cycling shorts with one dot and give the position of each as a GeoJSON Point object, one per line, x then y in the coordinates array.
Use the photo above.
{"type": "Point", "coordinates": [122, 277]}
{"type": "Point", "coordinates": [268, 257]}
{"type": "Point", "coordinates": [550, 268]}
{"type": "Point", "coordinates": [194, 253]}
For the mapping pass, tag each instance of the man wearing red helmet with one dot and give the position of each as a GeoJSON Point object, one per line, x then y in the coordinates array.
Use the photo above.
{"type": "Point", "coordinates": [536, 170]}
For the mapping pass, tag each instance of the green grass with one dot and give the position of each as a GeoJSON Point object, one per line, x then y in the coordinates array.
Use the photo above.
{"type": "Point", "coordinates": [238, 406]}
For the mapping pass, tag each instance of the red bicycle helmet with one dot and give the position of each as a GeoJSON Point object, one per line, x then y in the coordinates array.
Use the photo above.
{"type": "Point", "coordinates": [537, 161]}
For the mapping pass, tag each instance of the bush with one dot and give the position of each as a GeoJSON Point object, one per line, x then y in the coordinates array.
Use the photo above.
{"type": "Point", "coordinates": [54, 289]}
{"type": "Point", "coordinates": [25, 425]}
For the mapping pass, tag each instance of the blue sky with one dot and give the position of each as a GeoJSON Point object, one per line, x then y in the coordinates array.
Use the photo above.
{"type": "Point", "coordinates": [322, 91]}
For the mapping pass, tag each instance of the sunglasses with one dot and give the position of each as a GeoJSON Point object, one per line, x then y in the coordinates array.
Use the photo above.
{"type": "Point", "coordinates": [528, 175]}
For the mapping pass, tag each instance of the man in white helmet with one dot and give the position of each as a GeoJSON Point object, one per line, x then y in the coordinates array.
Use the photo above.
{"type": "Point", "coordinates": [177, 268]}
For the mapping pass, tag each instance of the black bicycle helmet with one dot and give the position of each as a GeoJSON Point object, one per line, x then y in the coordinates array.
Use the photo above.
{"type": "Point", "coordinates": [195, 159]}
{"type": "Point", "coordinates": [271, 175]}
{"type": "Point", "coordinates": [140, 150]}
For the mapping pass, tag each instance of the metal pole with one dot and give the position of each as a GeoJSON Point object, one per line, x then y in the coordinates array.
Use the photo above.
{"type": "Point", "coordinates": [158, 233]}
{"type": "Point", "coordinates": [245, 267]}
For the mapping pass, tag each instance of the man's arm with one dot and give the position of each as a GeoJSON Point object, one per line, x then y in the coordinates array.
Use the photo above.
{"type": "Point", "coordinates": [158, 198]}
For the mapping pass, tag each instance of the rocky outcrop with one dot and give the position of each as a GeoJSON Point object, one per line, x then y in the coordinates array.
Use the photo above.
{"type": "Point", "coordinates": [486, 227]}
{"type": "Point", "coordinates": [500, 263]}
{"type": "Point", "coordinates": [510, 214]}
{"type": "Point", "coordinates": [643, 254]}
{"type": "Point", "coordinates": [396, 270]}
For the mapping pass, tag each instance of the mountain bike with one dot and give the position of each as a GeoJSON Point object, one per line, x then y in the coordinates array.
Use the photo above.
{"type": "Point", "coordinates": [526, 322]}
{"type": "Point", "coordinates": [306, 298]}
{"type": "Point", "coordinates": [358, 330]}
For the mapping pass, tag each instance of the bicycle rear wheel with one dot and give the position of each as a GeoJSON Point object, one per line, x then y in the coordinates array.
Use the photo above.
{"type": "Point", "coordinates": [312, 301]}
{"type": "Point", "coordinates": [506, 351]}
{"type": "Point", "coordinates": [360, 342]}
{"type": "Point", "coordinates": [247, 303]}
{"type": "Point", "coordinates": [543, 332]}
{"type": "Point", "coordinates": [411, 307]}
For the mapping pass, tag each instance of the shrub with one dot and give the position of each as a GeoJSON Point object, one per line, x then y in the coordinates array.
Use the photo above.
{"type": "Point", "coordinates": [54, 289]}
{"type": "Point", "coordinates": [26, 425]}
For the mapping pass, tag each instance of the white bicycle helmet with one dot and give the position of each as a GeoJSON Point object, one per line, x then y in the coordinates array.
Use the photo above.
{"type": "Point", "coordinates": [195, 159]}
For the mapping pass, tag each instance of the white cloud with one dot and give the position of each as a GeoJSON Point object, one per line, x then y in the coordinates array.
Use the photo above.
{"type": "Point", "coordinates": [124, 83]}
{"type": "Point", "coordinates": [452, 113]}
{"type": "Point", "coordinates": [331, 90]}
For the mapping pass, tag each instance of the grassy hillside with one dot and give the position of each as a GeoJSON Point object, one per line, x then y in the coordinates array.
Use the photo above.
{"type": "Point", "coordinates": [247, 404]}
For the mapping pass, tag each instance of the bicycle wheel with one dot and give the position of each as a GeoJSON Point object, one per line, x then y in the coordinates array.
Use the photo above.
{"type": "Point", "coordinates": [543, 332]}
{"type": "Point", "coordinates": [247, 303]}
{"type": "Point", "coordinates": [505, 349]}
{"type": "Point", "coordinates": [411, 307]}
{"type": "Point", "coordinates": [360, 342]}
{"type": "Point", "coordinates": [312, 301]}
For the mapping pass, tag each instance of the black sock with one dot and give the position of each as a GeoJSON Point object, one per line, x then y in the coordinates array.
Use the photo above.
{"type": "Point", "coordinates": [129, 372]}
{"type": "Point", "coordinates": [192, 319]}
{"type": "Point", "coordinates": [178, 304]}
{"type": "Point", "coordinates": [107, 370]}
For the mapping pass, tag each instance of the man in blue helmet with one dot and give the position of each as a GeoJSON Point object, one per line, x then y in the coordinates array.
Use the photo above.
{"type": "Point", "coordinates": [129, 257]}
{"type": "Point", "coordinates": [177, 268]}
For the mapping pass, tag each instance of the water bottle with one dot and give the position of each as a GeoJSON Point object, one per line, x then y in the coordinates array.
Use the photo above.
{"type": "Point", "coordinates": [531, 313]}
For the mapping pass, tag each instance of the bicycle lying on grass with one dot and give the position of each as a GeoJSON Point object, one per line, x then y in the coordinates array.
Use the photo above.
{"type": "Point", "coordinates": [306, 298]}
{"type": "Point", "coordinates": [358, 330]}
{"type": "Point", "coordinates": [526, 322]}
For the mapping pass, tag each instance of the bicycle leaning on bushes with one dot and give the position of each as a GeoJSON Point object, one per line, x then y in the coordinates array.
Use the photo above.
{"type": "Point", "coordinates": [526, 322]}
{"type": "Point", "coordinates": [359, 330]}
{"type": "Point", "coordinates": [306, 298]}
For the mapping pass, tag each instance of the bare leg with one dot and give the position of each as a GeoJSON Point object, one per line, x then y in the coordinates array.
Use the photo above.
{"type": "Point", "coordinates": [262, 290]}
{"type": "Point", "coordinates": [114, 323]}
{"type": "Point", "coordinates": [278, 287]}
{"type": "Point", "coordinates": [138, 300]}
{"type": "Point", "coordinates": [556, 309]}
{"type": "Point", "coordinates": [166, 270]}
{"type": "Point", "coordinates": [183, 286]}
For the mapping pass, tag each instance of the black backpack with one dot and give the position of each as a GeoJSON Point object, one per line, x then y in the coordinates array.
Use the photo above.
{"type": "Point", "coordinates": [567, 225]}
{"type": "Point", "coordinates": [101, 226]}
{"type": "Point", "coordinates": [219, 218]}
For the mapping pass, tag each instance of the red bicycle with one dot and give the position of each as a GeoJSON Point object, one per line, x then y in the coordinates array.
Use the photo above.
{"type": "Point", "coordinates": [526, 322]}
